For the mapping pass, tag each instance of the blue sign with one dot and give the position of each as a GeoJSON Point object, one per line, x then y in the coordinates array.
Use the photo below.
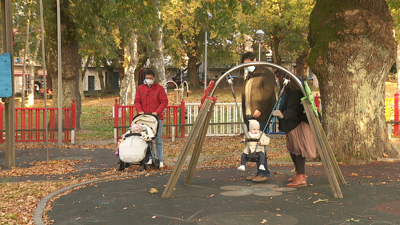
{"type": "Point", "coordinates": [5, 75]}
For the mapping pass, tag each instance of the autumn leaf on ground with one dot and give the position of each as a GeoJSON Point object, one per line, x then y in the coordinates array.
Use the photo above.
{"type": "Point", "coordinates": [153, 191]}
{"type": "Point", "coordinates": [353, 174]}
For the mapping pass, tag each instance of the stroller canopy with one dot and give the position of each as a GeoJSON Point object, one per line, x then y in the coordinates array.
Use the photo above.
{"type": "Point", "coordinates": [147, 120]}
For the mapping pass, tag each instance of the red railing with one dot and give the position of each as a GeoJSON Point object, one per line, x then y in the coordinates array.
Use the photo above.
{"type": "Point", "coordinates": [30, 124]}
{"type": "Point", "coordinates": [173, 117]}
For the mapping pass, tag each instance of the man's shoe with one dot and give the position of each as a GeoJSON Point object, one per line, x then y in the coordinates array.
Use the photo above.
{"type": "Point", "coordinates": [161, 164]}
{"type": "Point", "coordinates": [260, 178]}
{"type": "Point", "coordinates": [250, 178]}
{"type": "Point", "coordinates": [150, 162]}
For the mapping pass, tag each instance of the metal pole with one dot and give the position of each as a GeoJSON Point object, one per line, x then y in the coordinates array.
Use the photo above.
{"type": "Point", "coordinates": [259, 50]}
{"type": "Point", "coordinates": [59, 76]}
{"type": "Point", "coordinates": [44, 83]}
{"type": "Point", "coordinates": [6, 21]}
{"type": "Point", "coordinates": [205, 65]}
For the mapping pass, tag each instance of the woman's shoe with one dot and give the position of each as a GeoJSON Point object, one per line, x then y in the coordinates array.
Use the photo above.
{"type": "Point", "coordinates": [300, 181]}
{"type": "Point", "coordinates": [292, 178]}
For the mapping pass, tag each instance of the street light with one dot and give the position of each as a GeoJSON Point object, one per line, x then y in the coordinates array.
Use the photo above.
{"type": "Point", "coordinates": [209, 16]}
{"type": "Point", "coordinates": [260, 35]}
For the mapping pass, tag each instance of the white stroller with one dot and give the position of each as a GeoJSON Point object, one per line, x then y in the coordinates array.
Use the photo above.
{"type": "Point", "coordinates": [137, 148]}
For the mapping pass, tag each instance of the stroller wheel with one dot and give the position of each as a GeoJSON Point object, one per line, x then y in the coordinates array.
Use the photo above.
{"type": "Point", "coordinates": [156, 163]}
{"type": "Point", "coordinates": [121, 166]}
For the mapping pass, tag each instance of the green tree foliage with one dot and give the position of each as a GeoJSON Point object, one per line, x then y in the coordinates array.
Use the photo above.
{"type": "Point", "coordinates": [185, 25]}
{"type": "Point", "coordinates": [394, 6]}
{"type": "Point", "coordinates": [285, 23]}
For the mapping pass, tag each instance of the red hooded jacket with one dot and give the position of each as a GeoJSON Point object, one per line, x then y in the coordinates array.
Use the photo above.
{"type": "Point", "coordinates": [151, 99]}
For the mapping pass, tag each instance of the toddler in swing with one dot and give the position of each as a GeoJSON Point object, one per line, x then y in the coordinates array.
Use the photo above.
{"type": "Point", "coordinates": [254, 142]}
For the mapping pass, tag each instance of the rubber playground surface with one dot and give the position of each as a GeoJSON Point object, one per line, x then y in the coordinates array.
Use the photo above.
{"type": "Point", "coordinates": [222, 196]}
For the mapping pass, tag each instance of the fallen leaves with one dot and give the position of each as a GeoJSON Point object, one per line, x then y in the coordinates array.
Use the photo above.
{"type": "Point", "coordinates": [353, 220]}
{"type": "Point", "coordinates": [153, 191]}
{"type": "Point", "coordinates": [42, 168]}
{"type": "Point", "coordinates": [19, 200]}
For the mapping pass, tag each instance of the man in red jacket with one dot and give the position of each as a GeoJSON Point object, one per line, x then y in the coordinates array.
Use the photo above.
{"type": "Point", "coordinates": [152, 98]}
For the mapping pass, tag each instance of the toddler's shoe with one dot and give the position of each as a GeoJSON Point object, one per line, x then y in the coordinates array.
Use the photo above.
{"type": "Point", "coordinates": [261, 167]}
{"type": "Point", "coordinates": [150, 162]}
{"type": "Point", "coordinates": [241, 168]}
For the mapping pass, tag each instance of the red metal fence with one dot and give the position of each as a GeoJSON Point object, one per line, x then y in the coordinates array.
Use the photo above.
{"type": "Point", "coordinates": [174, 118]}
{"type": "Point", "coordinates": [30, 124]}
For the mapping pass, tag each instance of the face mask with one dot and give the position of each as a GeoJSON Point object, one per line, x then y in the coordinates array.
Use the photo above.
{"type": "Point", "coordinates": [251, 68]}
{"type": "Point", "coordinates": [149, 81]}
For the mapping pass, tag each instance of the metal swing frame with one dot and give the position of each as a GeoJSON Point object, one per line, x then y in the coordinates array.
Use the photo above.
{"type": "Point", "coordinates": [200, 126]}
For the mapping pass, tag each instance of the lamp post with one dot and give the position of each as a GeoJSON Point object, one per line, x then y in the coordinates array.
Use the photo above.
{"type": "Point", "coordinates": [260, 35]}
{"type": "Point", "coordinates": [209, 16]}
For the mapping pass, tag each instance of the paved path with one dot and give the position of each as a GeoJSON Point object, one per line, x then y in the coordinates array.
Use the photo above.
{"type": "Point", "coordinates": [223, 196]}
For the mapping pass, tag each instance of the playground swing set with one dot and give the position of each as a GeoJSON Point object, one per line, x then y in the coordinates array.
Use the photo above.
{"type": "Point", "coordinates": [200, 126]}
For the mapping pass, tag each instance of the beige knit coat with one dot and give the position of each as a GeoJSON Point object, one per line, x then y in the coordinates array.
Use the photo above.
{"type": "Point", "coordinates": [264, 141]}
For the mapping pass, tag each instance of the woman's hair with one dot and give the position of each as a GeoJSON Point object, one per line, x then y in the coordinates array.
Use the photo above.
{"type": "Point", "coordinates": [292, 85]}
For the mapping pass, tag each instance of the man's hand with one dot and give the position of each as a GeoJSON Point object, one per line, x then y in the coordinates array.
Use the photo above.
{"type": "Point", "coordinates": [277, 113]}
{"type": "Point", "coordinates": [256, 114]}
{"type": "Point", "coordinates": [141, 113]}
{"type": "Point", "coordinates": [154, 113]}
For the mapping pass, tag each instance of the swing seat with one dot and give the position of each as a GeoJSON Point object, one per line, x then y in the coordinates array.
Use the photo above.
{"type": "Point", "coordinates": [252, 157]}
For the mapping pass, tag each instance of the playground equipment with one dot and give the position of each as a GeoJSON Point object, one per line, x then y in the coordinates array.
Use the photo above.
{"type": "Point", "coordinates": [179, 91]}
{"type": "Point", "coordinates": [202, 122]}
{"type": "Point", "coordinates": [179, 95]}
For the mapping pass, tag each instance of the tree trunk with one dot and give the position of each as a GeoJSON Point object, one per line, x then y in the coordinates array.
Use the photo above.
{"type": "Point", "coordinates": [110, 72]}
{"type": "Point", "coordinates": [69, 57]}
{"type": "Point", "coordinates": [102, 86]}
{"type": "Point", "coordinates": [31, 96]}
{"type": "Point", "coordinates": [83, 73]}
{"type": "Point", "coordinates": [193, 77]}
{"type": "Point", "coordinates": [157, 59]}
{"type": "Point", "coordinates": [248, 43]}
{"type": "Point", "coordinates": [276, 40]}
{"type": "Point", "coordinates": [352, 50]}
{"type": "Point", "coordinates": [301, 65]}
{"type": "Point", "coordinates": [133, 58]}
